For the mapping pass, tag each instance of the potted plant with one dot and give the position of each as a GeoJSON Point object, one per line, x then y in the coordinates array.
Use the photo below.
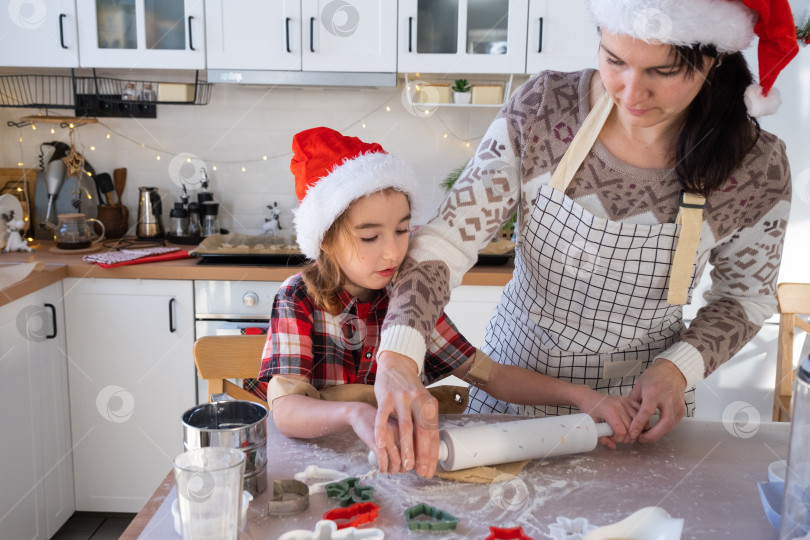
{"type": "Point", "coordinates": [461, 91]}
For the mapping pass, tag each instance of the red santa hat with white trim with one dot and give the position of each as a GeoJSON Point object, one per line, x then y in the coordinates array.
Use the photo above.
{"type": "Point", "coordinates": [729, 25]}
{"type": "Point", "coordinates": [331, 172]}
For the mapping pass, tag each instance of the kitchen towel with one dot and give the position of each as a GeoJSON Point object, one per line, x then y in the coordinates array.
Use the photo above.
{"type": "Point", "coordinates": [136, 256]}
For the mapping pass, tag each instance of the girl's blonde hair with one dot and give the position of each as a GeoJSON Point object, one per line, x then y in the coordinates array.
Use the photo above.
{"type": "Point", "coordinates": [323, 277]}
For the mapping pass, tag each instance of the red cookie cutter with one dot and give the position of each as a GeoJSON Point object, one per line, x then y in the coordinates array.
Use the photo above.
{"type": "Point", "coordinates": [513, 533]}
{"type": "Point", "coordinates": [354, 515]}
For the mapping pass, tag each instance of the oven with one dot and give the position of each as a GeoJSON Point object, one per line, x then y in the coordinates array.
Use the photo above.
{"type": "Point", "coordinates": [230, 308]}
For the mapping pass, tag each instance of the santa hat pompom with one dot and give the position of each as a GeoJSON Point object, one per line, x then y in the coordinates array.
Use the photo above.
{"type": "Point", "coordinates": [759, 104]}
{"type": "Point", "coordinates": [332, 171]}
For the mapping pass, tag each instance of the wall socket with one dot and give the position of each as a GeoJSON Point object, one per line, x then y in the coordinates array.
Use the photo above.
{"type": "Point", "coordinates": [111, 106]}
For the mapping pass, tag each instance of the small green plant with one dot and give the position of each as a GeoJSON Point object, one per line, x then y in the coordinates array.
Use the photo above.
{"type": "Point", "coordinates": [461, 85]}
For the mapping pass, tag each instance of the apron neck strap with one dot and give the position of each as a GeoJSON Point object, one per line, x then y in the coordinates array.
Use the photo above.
{"type": "Point", "coordinates": [582, 143]}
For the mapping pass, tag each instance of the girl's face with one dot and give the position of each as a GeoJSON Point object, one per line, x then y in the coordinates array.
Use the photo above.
{"type": "Point", "coordinates": [375, 243]}
{"type": "Point", "coordinates": [644, 84]}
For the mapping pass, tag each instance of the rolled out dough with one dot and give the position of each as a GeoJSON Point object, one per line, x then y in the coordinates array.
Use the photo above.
{"type": "Point", "coordinates": [484, 475]}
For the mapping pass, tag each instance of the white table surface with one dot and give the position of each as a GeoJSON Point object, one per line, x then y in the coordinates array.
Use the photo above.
{"type": "Point", "coordinates": [701, 472]}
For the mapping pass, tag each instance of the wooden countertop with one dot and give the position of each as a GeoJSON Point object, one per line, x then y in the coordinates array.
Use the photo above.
{"type": "Point", "coordinates": [61, 265]}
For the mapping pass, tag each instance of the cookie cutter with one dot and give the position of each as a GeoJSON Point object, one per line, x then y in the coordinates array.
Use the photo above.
{"type": "Point", "coordinates": [328, 530]}
{"type": "Point", "coordinates": [354, 515]}
{"type": "Point", "coordinates": [570, 528]}
{"type": "Point", "coordinates": [289, 497]}
{"type": "Point", "coordinates": [439, 519]}
{"type": "Point", "coordinates": [348, 491]}
{"type": "Point", "coordinates": [511, 533]}
{"type": "Point", "coordinates": [312, 472]}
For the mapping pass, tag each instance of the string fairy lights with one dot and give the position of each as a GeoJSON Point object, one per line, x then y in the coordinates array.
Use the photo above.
{"type": "Point", "coordinates": [364, 122]}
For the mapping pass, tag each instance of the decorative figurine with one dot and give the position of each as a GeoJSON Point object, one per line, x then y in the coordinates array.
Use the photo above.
{"type": "Point", "coordinates": [272, 224]}
{"type": "Point", "coordinates": [15, 241]}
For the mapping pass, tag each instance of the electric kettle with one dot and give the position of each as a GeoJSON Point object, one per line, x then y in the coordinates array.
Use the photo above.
{"type": "Point", "coordinates": [150, 224]}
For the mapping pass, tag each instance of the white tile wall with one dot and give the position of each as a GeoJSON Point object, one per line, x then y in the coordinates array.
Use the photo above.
{"type": "Point", "coordinates": [243, 123]}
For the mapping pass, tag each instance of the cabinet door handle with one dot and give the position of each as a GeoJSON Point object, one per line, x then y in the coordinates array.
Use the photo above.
{"type": "Point", "coordinates": [287, 31]}
{"type": "Point", "coordinates": [190, 39]}
{"type": "Point", "coordinates": [312, 34]}
{"type": "Point", "coordinates": [410, 34]}
{"type": "Point", "coordinates": [53, 318]}
{"type": "Point", "coordinates": [62, 30]}
{"type": "Point", "coordinates": [540, 35]}
{"type": "Point", "coordinates": [172, 327]}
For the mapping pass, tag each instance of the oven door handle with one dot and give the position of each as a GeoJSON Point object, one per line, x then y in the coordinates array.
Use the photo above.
{"type": "Point", "coordinates": [172, 327]}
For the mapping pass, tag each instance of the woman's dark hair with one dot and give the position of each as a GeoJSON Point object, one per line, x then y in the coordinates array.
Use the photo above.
{"type": "Point", "coordinates": [717, 132]}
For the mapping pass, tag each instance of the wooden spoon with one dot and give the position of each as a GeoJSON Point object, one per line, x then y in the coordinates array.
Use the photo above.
{"type": "Point", "coordinates": [120, 182]}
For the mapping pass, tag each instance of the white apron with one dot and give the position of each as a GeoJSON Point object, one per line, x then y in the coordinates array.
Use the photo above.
{"type": "Point", "coordinates": [588, 300]}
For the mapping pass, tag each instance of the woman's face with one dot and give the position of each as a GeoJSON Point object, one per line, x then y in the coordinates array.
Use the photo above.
{"type": "Point", "coordinates": [375, 243]}
{"type": "Point", "coordinates": [644, 84]}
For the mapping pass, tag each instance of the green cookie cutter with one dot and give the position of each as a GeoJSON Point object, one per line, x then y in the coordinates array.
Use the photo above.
{"type": "Point", "coordinates": [348, 492]}
{"type": "Point", "coordinates": [440, 520]}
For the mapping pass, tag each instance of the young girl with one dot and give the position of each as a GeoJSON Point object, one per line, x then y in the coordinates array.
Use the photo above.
{"type": "Point", "coordinates": [356, 206]}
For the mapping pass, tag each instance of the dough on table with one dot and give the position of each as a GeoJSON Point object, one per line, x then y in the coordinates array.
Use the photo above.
{"type": "Point", "coordinates": [484, 475]}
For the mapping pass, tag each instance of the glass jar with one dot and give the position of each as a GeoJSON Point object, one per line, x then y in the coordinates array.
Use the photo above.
{"type": "Point", "coordinates": [194, 226]}
{"type": "Point", "coordinates": [130, 93]}
{"type": "Point", "coordinates": [178, 220]}
{"type": "Point", "coordinates": [210, 224]}
{"type": "Point", "coordinates": [148, 93]}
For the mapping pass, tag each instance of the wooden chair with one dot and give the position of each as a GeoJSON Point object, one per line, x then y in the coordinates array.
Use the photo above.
{"type": "Point", "coordinates": [794, 300]}
{"type": "Point", "coordinates": [219, 358]}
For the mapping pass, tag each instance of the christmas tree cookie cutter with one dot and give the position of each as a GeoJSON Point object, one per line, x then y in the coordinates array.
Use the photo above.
{"type": "Point", "coordinates": [326, 476]}
{"type": "Point", "coordinates": [439, 519]}
{"type": "Point", "coordinates": [348, 492]}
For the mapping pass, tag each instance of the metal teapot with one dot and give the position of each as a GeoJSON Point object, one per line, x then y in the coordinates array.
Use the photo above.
{"type": "Point", "coordinates": [74, 232]}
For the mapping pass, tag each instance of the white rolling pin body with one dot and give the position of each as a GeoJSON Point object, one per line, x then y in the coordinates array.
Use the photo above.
{"type": "Point", "coordinates": [504, 442]}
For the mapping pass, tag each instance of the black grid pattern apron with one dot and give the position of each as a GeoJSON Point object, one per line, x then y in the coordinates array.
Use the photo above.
{"type": "Point", "coordinates": [587, 302]}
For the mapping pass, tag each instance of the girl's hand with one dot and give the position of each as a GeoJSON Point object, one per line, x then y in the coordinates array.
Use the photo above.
{"type": "Point", "coordinates": [362, 419]}
{"type": "Point", "coordinates": [617, 411]}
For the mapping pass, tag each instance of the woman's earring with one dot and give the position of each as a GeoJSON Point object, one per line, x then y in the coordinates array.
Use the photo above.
{"type": "Point", "coordinates": [719, 62]}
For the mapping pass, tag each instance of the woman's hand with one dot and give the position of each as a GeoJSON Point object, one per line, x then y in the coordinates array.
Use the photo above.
{"type": "Point", "coordinates": [362, 419]}
{"type": "Point", "coordinates": [399, 392]}
{"type": "Point", "coordinates": [617, 411]}
{"type": "Point", "coordinates": [660, 387]}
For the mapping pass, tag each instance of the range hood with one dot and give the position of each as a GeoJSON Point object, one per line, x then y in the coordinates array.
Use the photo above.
{"type": "Point", "coordinates": [301, 78]}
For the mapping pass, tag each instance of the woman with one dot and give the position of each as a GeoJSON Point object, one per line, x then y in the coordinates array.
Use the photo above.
{"type": "Point", "coordinates": [626, 181]}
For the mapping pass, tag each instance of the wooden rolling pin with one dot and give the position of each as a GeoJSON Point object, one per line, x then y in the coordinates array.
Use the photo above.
{"type": "Point", "coordinates": [504, 442]}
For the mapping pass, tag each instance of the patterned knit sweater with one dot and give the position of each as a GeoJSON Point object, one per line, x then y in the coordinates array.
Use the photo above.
{"type": "Point", "coordinates": [742, 234]}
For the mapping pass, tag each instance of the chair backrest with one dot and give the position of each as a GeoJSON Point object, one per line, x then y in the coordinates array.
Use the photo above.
{"type": "Point", "coordinates": [219, 358]}
{"type": "Point", "coordinates": [794, 300]}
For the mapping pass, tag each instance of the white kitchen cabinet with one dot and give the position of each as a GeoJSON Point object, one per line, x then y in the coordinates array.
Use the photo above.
{"type": "Point", "coordinates": [561, 36]}
{"type": "Point", "coordinates": [37, 496]}
{"type": "Point", "coordinates": [39, 34]}
{"type": "Point", "coordinates": [462, 36]}
{"type": "Point", "coordinates": [308, 35]}
{"type": "Point", "coordinates": [131, 378]}
{"type": "Point", "coordinates": [471, 307]}
{"type": "Point", "coordinates": [163, 34]}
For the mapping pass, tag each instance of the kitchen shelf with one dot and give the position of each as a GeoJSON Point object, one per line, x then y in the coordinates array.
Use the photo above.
{"type": "Point", "coordinates": [70, 91]}
{"type": "Point", "coordinates": [438, 80]}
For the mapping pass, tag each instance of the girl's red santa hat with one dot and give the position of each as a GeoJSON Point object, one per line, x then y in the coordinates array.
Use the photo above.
{"type": "Point", "coordinates": [332, 171]}
{"type": "Point", "coordinates": [729, 25]}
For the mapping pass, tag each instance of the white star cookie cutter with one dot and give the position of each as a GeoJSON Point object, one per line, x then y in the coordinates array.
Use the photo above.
{"type": "Point", "coordinates": [327, 530]}
{"type": "Point", "coordinates": [570, 529]}
{"type": "Point", "coordinates": [326, 476]}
